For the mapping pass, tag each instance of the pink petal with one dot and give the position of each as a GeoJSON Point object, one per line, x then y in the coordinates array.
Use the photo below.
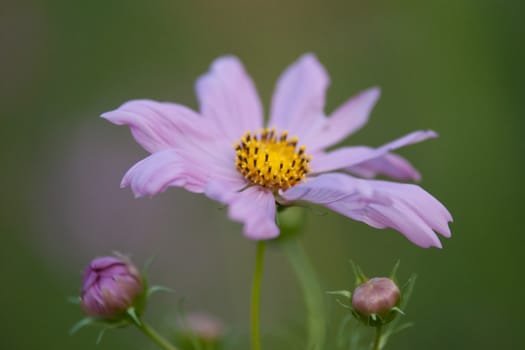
{"type": "Point", "coordinates": [332, 188]}
{"type": "Point", "coordinates": [346, 120]}
{"type": "Point", "coordinates": [160, 170]}
{"type": "Point", "coordinates": [380, 204]}
{"type": "Point", "coordinates": [228, 98]}
{"type": "Point", "coordinates": [104, 263]}
{"type": "Point", "coordinates": [402, 219]}
{"type": "Point", "coordinates": [159, 125]}
{"type": "Point", "coordinates": [224, 190]}
{"type": "Point", "coordinates": [418, 200]}
{"type": "Point", "coordinates": [254, 207]}
{"type": "Point", "coordinates": [391, 165]}
{"type": "Point", "coordinates": [347, 157]}
{"type": "Point", "coordinates": [298, 101]}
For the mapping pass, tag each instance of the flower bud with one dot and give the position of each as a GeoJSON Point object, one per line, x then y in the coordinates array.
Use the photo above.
{"type": "Point", "coordinates": [200, 330]}
{"type": "Point", "coordinates": [376, 297]}
{"type": "Point", "coordinates": [110, 286]}
{"type": "Point", "coordinates": [205, 326]}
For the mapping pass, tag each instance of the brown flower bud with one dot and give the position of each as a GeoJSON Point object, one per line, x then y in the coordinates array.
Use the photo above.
{"type": "Point", "coordinates": [376, 296]}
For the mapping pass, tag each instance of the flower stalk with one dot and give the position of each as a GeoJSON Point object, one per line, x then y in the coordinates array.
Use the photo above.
{"type": "Point", "coordinates": [155, 336]}
{"type": "Point", "coordinates": [312, 292]}
{"type": "Point", "coordinates": [256, 296]}
{"type": "Point", "coordinates": [377, 341]}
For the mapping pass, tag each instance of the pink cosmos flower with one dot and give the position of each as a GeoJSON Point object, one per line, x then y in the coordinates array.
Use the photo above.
{"type": "Point", "coordinates": [225, 152]}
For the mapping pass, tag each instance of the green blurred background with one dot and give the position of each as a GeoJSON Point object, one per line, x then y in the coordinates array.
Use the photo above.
{"type": "Point", "coordinates": [452, 66]}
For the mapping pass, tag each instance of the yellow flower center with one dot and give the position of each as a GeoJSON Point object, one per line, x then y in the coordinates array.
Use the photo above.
{"type": "Point", "coordinates": [271, 160]}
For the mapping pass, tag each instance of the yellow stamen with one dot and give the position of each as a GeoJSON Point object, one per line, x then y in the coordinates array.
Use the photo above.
{"type": "Point", "coordinates": [271, 160]}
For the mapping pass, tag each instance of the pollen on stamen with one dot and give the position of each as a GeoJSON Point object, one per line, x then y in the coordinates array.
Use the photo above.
{"type": "Point", "coordinates": [271, 160]}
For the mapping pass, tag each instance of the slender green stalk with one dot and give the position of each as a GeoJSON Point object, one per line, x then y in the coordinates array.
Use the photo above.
{"type": "Point", "coordinates": [156, 337]}
{"type": "Point", "coordinates": [312, 292]}
{"type": "Point", "coordinates": [377, 341]}
{"type": "Point", "coordinates": [256, 296]}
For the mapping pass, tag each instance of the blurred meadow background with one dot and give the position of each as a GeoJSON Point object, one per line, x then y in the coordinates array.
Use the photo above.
{"type": "Point", "coordinates": [453, 66]}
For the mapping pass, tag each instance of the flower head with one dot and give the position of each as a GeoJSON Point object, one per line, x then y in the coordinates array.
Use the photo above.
{"type": "Point", "coordinates": [228, 153]}
{"type": "Point", "coordinates": [110, 286]}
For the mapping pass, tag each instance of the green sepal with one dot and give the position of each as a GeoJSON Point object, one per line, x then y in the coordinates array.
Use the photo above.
{"type": "Point", "coordinates": [342, 293]}
{"type": "Point", "coordinates": [140, 301]}
{"type": "Point", "coordinates": [100, 335]}
{"type": "Point", "coordinates": [157, 288]}
{"type": "Point", "coordinates": [360, 277]}
{"type": "Point", "coordinates": [401, 327]}
{"type": "Point", "coordinates": [147, 265]}
{"type": "Point", "coordinates": [406, 291]}
{"type": "Point", "coordinates": [398, 310]}
{"type": "Point", "coordinates": [393, 273]}
{"type": "Point", "coordinates": [81, 324]}
{"type": "Point", "coordinates": [105, 324]}
{"type": "Point", "coordinates": [74, 300]}
{"type": "Point", "coordinates": [343, 304]}
{"type": "Point", "coordinates": [132, 313]}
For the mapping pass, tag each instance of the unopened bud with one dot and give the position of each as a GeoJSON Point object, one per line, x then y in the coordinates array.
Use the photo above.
{"type": "Point", "coordinates": [205, 326]}
{"type": "Point", "coordinates": [110, 286]}
{"type": "Point", "coordinates": [376, 297]}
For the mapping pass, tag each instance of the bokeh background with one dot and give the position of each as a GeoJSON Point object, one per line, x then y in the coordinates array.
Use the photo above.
{"type": "Point", "coordinates": [452, 66]}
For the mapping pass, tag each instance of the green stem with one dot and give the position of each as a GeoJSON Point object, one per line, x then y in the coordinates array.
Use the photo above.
{"type": "Point", "coordinates": [156, 337]}
{"type": "Point", "coordinates": [312, 292]}
{"type": "Point", "coordinates": [377, 341]}
{"type": "Point", "coordinates": [256, 296]}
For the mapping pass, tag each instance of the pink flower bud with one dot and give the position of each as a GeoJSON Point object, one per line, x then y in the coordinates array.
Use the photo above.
{"type": "Point", "coordinates": [375, 296]}
{"type": "Point", "coordinates": [109, 287]}
{"type": "Point", "coordinates": [205, 326]}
